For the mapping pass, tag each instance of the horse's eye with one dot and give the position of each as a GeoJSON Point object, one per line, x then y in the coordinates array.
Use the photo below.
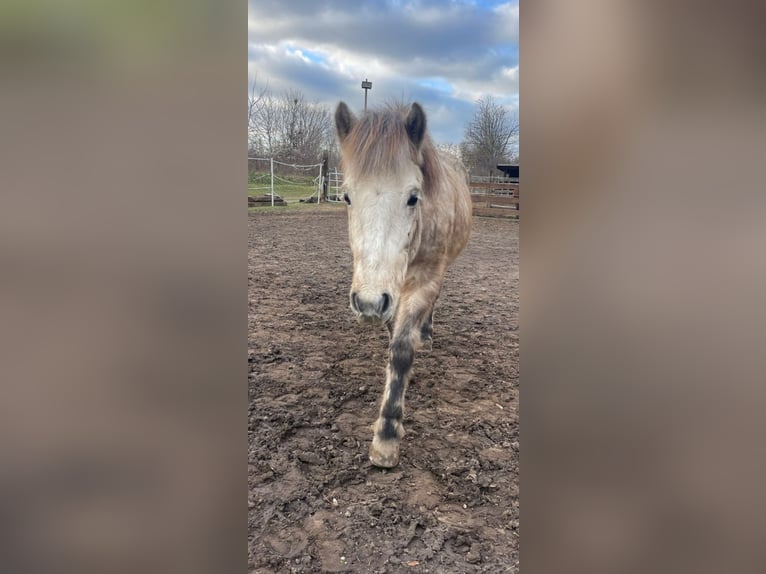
{"type": "Point", "coordinates": [412, 200]}
{"type": "Point", "coordinates": [346, 199]}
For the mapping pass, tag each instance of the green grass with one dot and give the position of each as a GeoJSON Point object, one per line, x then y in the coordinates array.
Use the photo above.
{"type": "Point", "coordinates": [290, 188]}
{"type": "Point", "coordinates": [298, 207]}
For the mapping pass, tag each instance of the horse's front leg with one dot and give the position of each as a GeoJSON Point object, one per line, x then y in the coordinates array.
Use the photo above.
{"type": "Point", "coordinates": [406, 337]}
{"type": "Point", "coordinates": [427, 332]}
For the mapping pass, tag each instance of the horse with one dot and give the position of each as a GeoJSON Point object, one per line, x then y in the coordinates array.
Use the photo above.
{"type": "Point", "coordinates": [409, 217]}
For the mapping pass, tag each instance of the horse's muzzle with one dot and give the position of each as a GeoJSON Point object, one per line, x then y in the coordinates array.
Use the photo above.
{"type": "Point", "coordinates": [372, 309]}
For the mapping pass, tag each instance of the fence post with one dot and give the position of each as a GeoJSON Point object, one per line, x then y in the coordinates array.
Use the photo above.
{"type": "Point", "coordinates": [321, 186]}
{"type": "Point", "coordinates": [271, 163]}
{"type": "Point", "coordinates": [325, 169]}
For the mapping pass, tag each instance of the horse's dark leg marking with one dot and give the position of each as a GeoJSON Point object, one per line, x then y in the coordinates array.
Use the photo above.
{"type": "Point", "coordinates": [388, 429]}
{"type": "Point", "coordinates": [427, 331]}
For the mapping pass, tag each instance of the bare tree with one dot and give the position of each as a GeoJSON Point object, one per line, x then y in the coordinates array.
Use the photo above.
{"type": "Point", "coordinates": [488, 136]}
{"type": "Point", "coordinates": [264, 119]}
{"type": "Point", "coordinates": [288, 127]}
{"type": "Point", "coordinates": [255, 103]}
{"type": "Point", "coordinates": [450, 149]}
{"type": "Point", "coordinates": [304, 129]}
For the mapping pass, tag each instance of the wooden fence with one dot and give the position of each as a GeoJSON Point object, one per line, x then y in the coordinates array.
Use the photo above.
{"type": "Point", "coordinates": [494, 197]}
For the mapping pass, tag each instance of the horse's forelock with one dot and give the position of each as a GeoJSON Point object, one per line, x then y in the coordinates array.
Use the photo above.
{"type": "Point", "coordinates": [379, 144]}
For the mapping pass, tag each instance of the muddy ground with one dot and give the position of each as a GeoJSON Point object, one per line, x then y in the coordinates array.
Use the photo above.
{"type": "Point", "coordinates": [315, 380]}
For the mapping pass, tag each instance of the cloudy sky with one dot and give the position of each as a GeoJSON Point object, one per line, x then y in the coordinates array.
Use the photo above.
{"type": "Point", "coordinates": [444, 54]}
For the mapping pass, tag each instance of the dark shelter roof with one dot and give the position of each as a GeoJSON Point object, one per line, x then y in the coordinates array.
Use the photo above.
{"type": "Point", "coordinates": [509, 170]}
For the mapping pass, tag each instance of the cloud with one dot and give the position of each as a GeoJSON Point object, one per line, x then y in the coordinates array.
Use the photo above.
{"type": "Point", "coordinates": [445, 54]}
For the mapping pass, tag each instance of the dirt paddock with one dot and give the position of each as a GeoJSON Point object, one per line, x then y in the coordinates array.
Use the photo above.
{"type": "Point", "coordinates": [315, 380]}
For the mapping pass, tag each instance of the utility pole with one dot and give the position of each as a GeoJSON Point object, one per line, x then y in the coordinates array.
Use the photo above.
{"type": "Point", "coordinates": [366, 85]}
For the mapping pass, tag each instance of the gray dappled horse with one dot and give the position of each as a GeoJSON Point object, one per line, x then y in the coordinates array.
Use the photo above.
{"type": "Point", "coordinates": [409, 216]}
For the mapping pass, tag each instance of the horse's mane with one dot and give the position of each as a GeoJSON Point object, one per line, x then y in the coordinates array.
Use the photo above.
{"type": "Point", "coordinates": [379, 144]}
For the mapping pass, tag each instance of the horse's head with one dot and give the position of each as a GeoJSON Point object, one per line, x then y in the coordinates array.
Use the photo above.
{"type": "Point", "coordinates": [383, 185]}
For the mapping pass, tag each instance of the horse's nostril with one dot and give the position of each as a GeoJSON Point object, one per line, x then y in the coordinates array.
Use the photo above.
{"type": "Point", "coordinates": [373, 308]}
{"type": "Point", "coordinates": [386, 302]}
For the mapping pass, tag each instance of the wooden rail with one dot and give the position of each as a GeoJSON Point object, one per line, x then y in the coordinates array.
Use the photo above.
{"type": "Point", "coordinates": [494, 185]}
{"type": "Point", "coordinates": [498, 199]}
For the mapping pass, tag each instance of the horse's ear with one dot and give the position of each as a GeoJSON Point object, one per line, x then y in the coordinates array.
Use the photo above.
{"type": "Point", "coordinates": [344, 121]}
{"type": "Point", "coordinates": [416, 124]}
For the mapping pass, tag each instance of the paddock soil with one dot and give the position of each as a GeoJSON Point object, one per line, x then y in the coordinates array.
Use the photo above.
{"type": "Point", "coordinates": [315, 379]}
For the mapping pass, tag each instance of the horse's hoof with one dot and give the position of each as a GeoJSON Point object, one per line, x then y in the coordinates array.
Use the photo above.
{"type": "Point", "coordinates": [384, 453]}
